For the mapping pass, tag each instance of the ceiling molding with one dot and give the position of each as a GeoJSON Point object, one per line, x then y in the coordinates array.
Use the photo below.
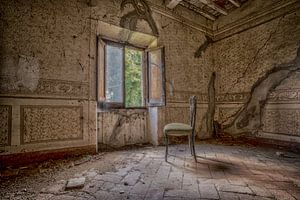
{"type": "Point", "coordinates": [245, 23]}
{"type": "Point", "coordinates": [259, 18]}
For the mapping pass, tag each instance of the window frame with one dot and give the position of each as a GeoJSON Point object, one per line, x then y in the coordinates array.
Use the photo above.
{"type": "Point", "coordinates": [116, 105]}
{"type": "Point", "coordinates": [162, 101]}
{"type": "Point", "coordinates": [101, 70]}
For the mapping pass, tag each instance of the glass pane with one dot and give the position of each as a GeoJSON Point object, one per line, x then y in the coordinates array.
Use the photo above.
{"type": "Point", "coordinates": [155, 62]}
{"type": "Point", "coordinates": [114, 77]}
{"type": "Point", "coordinates": [133, 78]}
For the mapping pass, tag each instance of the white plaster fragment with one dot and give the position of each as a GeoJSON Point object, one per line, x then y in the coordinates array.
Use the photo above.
{"type": "Point", "coordinates": [28, 72]}
{"type": "Point", "coordinates": [75, 183]}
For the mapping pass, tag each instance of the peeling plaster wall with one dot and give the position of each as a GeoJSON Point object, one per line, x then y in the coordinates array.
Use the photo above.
{"type": "Point", "coordinates": [47, 92]}
{"type": "Point", "coordinates": [185, 75]}
{"type": "Point", "coordinates": [48, 71]}
{"type": "Point", "coordinates": [48, 74]}
{"type": "Point", "coordinates": [241, 60]}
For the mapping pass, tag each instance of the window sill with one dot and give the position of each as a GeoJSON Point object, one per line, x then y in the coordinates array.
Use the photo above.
{"type": "Point", "coordinates": [121, 109]}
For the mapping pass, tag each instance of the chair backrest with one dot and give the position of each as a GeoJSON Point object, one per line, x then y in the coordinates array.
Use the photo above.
{"type": "Point", "coordinates": [193, 108]}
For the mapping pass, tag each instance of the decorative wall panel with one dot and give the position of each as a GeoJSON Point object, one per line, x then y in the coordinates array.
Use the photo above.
{"type": "Point", "coordinates": [5, 124]}
{"type": "Point", "coordinates": [51, 123]}
{"type": "Point", "coordinates": [283, 121]}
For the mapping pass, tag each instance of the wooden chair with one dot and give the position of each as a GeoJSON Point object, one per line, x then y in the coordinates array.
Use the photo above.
{"type": "Point", "coordinates": [181, 129]}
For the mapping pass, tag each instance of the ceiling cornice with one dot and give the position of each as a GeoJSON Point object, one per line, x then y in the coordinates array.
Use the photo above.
{"type": "Point", "coordinates": [253, 20]}
{"type": "Point", "coordinates": [250, 21]}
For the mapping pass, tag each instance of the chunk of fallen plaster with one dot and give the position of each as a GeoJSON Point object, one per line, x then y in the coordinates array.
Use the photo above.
{"type": "Point", "coordinates": [75, 183]}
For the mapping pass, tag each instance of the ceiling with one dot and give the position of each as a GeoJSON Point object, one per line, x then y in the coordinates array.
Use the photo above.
{"type": "Point", "coordinates": [210, 9]}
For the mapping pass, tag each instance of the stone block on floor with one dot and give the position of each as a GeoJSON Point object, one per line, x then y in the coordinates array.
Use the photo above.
{"type": "Point", "coordinates": [75, 183]}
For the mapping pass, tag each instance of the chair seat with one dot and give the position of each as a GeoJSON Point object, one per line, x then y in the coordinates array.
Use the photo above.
{"type": "Point", "coordinates": [177, 127]}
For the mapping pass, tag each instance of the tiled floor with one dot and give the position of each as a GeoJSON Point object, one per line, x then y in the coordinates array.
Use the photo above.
{"type": "Point", "coordinates": [222, 172]}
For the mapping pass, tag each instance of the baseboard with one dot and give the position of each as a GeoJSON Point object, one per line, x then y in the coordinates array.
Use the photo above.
{"type": "Point", "coordinates": [21, 159]}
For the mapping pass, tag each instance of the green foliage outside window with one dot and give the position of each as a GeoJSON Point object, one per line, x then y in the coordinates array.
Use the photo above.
{"type": "Point", "coordinates": [133, 78]}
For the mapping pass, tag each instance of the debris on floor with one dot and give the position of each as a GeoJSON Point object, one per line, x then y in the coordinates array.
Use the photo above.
{"type": "Point", "coordinates": [83, 160]}
{"type": "Point", "coordinates": [75, 183]}
{"type": "Point", "coordinates": [222, 172]}
{"type": "Point", "coordinates": [285, 155]}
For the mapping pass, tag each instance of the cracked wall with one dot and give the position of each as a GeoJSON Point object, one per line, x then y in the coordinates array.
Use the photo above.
{"type": "Point", "coordinates": [47, 59]}
{"type": "Point", "coordinates": [261, 65]}
{"type": "Point", "coordinates": [207, 124]}
{"type": "Point", "coordinates": [48, 67]}
{"type": "Point", "coordinates": [45, 76]}
{"type": "Point", "coordinates": [122, 127]}
{"type": "Point", "coordinates": [185, 74]}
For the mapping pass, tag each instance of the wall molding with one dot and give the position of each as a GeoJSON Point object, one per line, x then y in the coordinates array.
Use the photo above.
{"type": "Point", "coordinates": [274, 136]}
{"type": "Point", "coordinates": [46, 88]}
{"type": "Point", "coordinates": [183, 97]}
{"type": "Point", "coordinates": [276, 96]}
{"type": "Point", "coordinates": [240, 97]}
{"type": "Point", "coordinates": [18, 159]}
{"type": "Point", "coordinates": [284, 95]}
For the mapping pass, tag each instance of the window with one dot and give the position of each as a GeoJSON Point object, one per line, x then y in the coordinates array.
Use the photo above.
{"type": "Point", "coordinates": [129, 77]}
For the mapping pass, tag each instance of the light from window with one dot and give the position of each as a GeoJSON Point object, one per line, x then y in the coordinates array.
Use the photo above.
{"type": "Point", "coordinates": [133, 78]}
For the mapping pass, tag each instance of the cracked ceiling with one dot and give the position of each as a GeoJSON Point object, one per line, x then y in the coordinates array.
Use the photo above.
{"type": "Point", "coordinates": [210, 9]}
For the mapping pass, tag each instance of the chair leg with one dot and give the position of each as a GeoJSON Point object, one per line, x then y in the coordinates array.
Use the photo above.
{"type": "Point", "coordinates": [193, 149]}
{"type": "Point", "coordinates": [166, 143]}
{"type": "Point", "coordinates": [190, 144]}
